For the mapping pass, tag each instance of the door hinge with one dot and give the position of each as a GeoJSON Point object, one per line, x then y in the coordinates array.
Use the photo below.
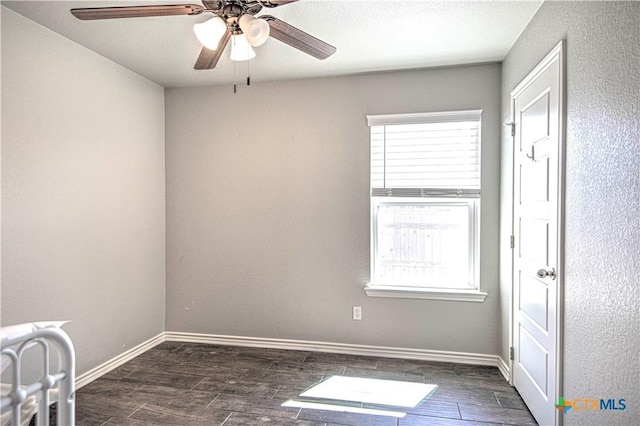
{"type": "Point", "coordinates": [511, 353]}
{"type": "Point", "coordinates": [513, 128]}
{"type": "Point", "coordinates": [512, 241]}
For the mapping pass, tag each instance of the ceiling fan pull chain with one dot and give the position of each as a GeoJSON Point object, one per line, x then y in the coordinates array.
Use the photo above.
{"type": "Point", "coordinates": [235, 90]}
{"type": "Point", "coordinates": [248, 73]}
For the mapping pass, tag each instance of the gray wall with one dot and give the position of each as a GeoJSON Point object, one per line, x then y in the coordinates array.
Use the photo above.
{"type": "Point", "coordinates": [602, 281]}
{"type": "Point", "coordinates": [268, 210]}
{"type": "Point", "coordinates": [82, 193]}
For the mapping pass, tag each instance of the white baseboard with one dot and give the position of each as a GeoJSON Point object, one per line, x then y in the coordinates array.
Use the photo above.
{"type": "Point", "coordinates": [340, 348]}
{"type": "Point", "coordinates": [503, 367]}
{"type": "Point", "coordinates": [298, 345]}
{"type": "Point", "coordinates": [102, 369]}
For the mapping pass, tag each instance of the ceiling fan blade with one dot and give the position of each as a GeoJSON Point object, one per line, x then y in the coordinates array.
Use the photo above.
{"type": "Point", "coordinates": [136, 11]}
{"type": "Point", "coordinates": [275, 3]}
{"type": "Point", "coordinates": [294, 37]}
{"type": "Point", "coordinates": [208, 59]}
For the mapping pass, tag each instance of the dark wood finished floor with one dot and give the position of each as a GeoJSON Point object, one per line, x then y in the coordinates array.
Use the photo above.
{"type": "Point", "coordinates": [197, 385]}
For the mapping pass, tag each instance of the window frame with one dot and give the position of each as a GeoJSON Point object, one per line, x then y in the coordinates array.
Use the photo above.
{"type": "Point", "coordinates": [434, 292]}
{"type": "Point", "coordinates": [473, 205]}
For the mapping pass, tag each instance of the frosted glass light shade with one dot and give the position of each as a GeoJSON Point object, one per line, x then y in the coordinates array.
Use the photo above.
{"type": "Point", "coordinates": [240, 48]}
{"type": "Point", "coordinates": [210, 32]}
{"type": "Point", "coordinates": [256, 30]}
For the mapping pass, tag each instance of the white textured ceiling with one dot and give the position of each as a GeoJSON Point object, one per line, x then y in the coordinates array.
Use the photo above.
{"type": "Point", "coordinates": [376, 35]}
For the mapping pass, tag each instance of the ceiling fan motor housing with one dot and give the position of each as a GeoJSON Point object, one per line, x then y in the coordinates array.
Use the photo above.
{"type": "Point", "coordinates": [233, 8]}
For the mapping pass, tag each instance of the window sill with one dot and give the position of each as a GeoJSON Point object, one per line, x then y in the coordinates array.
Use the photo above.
{"type": "Point", "coordinates": [431, 294]}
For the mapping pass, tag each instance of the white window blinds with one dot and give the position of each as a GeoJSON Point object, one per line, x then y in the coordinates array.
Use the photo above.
{"type": "Point", "coordinates": [426, 155]}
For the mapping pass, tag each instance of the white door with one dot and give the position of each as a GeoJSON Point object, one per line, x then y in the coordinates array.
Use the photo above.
{"type": "Point", "coordinates": [538, 137]}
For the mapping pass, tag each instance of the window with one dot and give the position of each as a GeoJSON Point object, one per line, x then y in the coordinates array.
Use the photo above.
{"type": "Point", "coordinates": [425, 201]}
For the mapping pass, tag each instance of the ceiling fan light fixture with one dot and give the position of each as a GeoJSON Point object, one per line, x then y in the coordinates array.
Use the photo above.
{"type": "Point", "coordinates": [255, 29]}
{"type": "Point", "coordinates": [240, 48]}
{"type": "Point", "coordinates": [210, 32]}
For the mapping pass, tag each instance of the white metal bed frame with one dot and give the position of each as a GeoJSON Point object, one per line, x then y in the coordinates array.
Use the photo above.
{"type": "Point", "coordinates": [63, 378]}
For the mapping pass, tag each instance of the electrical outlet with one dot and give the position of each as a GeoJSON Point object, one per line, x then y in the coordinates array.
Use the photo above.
{"type": "Point", "coordinates": [357, 313]}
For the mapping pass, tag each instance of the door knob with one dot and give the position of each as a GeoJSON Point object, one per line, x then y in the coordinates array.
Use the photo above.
{"type": "Point", "coordinates": [543, 273]}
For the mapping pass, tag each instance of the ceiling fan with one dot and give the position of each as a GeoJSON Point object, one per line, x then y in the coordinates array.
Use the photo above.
{"type": "Point", "coordinates": [234, 20]}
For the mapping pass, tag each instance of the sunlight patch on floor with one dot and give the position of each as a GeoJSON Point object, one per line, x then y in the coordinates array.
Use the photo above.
{"type": "Point", "coordinates": [349, 394]}
{"type": "Point", "coordinates": [372, 391]}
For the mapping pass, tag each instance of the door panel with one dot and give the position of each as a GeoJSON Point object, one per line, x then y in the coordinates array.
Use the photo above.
{"type": "Point", "coordinates": [535, 182]}
{"type": "Point", "coordinates": [535, 358]}
{"type": "Point", "coordinates": [537, 113]}
{"type": "Point", "coordinates": [534, 300]}
{"type": "Point", "coordinates": [534, 241]}
{"type": "Point", "coordinates": [536, 117]}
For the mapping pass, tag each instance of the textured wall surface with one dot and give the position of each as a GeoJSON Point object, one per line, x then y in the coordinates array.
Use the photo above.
{"type": "Point", "coordinates": [82, 193]}
{"type": "Point", "coordinates": [268, 210]}
{"type": "Point", "coordinates": [602, 250]}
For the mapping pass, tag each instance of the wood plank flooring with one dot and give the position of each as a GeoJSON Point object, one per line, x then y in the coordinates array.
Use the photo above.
{"type": "Point", "coordinates": [197, 385]}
